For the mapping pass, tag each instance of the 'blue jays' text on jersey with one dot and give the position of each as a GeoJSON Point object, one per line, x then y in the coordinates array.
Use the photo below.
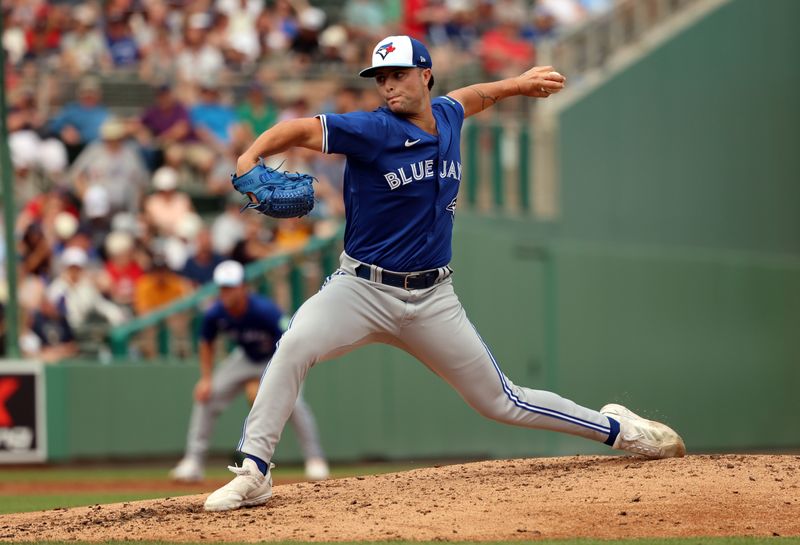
{"type": "Point", "coordinates": [400, 185]}
{"type": "Point", "coordinates": [256, 331]}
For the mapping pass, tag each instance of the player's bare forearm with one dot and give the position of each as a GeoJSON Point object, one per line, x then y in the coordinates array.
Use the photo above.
{"type": "Point", "coordinates": [304, 132]}
{"type": "Point", "coordinates": [206, 353]}
{"type": "Point", "coordinates": [539, 82]}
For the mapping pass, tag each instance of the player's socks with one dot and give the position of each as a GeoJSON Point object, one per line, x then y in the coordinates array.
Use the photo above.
{"type": "Point", "coordinates": [612, 435]}
{"type": "Point", "coordinates": [263, 466]}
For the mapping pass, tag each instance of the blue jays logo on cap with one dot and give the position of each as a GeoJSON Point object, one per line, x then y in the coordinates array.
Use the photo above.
{"type": "Point", "coordinates": [406, 52]}
{"type": "Point", "coordinates": [385, 49]}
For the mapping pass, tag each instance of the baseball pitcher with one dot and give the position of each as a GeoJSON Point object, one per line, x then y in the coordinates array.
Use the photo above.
{"type": "Point", "coordinates": [394, 284]}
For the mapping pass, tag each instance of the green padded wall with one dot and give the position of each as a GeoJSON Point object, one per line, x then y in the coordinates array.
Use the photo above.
{"type": "Point", "coordinates": [696, 144]}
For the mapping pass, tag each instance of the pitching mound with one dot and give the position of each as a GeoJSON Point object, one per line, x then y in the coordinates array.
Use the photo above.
{"type": "Point", "coordinates": [604, 497]}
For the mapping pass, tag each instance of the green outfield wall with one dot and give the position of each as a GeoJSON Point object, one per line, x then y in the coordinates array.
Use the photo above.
{"type": "Point", "coordinates": [705, 340]}
{"type": "Point", "coordinates": [698, 144]}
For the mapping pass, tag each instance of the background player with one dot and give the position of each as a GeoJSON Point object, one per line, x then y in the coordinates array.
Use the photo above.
{"type": "Point", "coordinates": [400, 189]}
{"type": "Point", "coordinates": [255, 324]}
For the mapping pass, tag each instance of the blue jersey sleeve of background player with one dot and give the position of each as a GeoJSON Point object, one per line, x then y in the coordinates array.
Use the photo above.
{"type": "Point", "coordinates": [208, 329]}
{"type": "Point", "coordinates": [271, 315]}
{"type": "Point", "coordinates": [359, 135]}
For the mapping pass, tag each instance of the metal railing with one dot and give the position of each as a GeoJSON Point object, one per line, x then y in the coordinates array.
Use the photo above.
{"type": "Point", "coordinates": [286, 277]}
{"type": "Point", "coordinates": [590, 45]}
{"type": "Point", "coordinates": [497, 167]}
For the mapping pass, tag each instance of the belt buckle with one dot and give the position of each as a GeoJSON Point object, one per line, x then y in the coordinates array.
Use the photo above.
{"type": "Point", "coordinates": [405, 282]}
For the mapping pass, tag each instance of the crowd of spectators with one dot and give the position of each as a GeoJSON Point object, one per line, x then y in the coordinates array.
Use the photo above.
{"type": "Point", "coordinates": [114, 214]}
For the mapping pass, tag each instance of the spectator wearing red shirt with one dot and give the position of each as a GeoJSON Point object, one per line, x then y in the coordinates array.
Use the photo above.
{"type": "Point", "coordinates": [121, 271]}
{"type": "Point", "coordinates": [503, 50]}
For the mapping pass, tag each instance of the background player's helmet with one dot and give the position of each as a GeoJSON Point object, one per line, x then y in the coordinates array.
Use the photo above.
{"type": "Point", "coordinates": [229, 274]}
{"type": "Point", "coordinates": [399, 52]}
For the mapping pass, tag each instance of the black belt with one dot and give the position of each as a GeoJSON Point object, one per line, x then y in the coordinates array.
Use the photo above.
{"type": "Point", "coordinates": [407, 281]}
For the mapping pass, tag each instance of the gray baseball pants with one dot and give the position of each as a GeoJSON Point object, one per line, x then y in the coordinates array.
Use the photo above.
{"type": "Point", "coordinates": [229, 379]}
{"type": "Point", "coordinates": [431, 325]}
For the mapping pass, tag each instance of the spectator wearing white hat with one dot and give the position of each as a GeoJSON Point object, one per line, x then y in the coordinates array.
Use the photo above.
{"type": "Point", "coordinates": [113, 164]}
{"type": "Point", "coordinates": [198, 60]}
{"type": "Point", "coordinates": [166, 208]}
{"type": "Point", "coordinates": [76, 295]}
{"type": "Point", "coordinates": [84, 49]}
{"type": "Point", "coordinates": [121, 271]}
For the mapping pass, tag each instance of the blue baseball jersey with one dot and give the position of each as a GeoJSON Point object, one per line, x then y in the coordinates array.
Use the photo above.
{"type": "Point", "coordinates": [400, 184]}
{"type": "Point", "coordinates": [257, 331]}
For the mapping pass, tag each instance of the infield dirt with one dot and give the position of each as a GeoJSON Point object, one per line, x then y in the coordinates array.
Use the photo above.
{"type": "Point", "coordinates": [602, 497]}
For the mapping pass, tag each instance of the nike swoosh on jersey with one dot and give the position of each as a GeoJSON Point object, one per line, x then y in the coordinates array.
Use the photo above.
{"type": "Point", "coordinates": [410, 143]}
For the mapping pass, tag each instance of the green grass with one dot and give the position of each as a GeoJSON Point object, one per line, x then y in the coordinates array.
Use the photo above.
{"type": "Point", "coordinates": [136, 473]}
{"type": "Point", "coordinates": [37, 501]}
{"type": "Point", "coordinates": [670, 541]}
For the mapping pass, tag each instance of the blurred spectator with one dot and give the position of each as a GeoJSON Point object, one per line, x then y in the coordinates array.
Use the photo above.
{"type": "Point", "coordinates": [198, 60]}
{"type": "Point", "coordinates": [84, 48]}
{"type": "Point", "coordinates": [159, 62]}
{"type": "Point", "coordinates": [35, 253]}
{"type": "Point", "coordinates": [2, 329]}
{"type": "Point", "coordinates": [258, 112]}
{"type": "Point", "coordinates": [199, 268]}
{"type": "Point", "coordinates": [121, 270]}
{"type": "Point", "coordinates": [229, 227]}
{"type": "Point", "coordinates": [162, 125]}
{"type": "Point", "coordinates": [78, 123]}
{"type": "Point", "coordinates": [177, 247]}
{"type": "Point", "coordinates": [43, 209]}
{"type": "Point", "coordinates": [504, 51]}
{"type": "Point", "coordinates": [292, 234]}
{"type": "Point", "coordinates": [311, 20]}
{"type": "Point", "coordinates": [76, 295]}
{"type": "Point", "coordinates": [156, 288]}
{"type": "Point", "coordinates": [365, 17]}
{"type": "Point", "coordinates": [333, 45]}
{"type": "Point", "coordinates": [212, 120]}
{"type": "Point", "coordinates": [50, 338]}
{"type": "Point", "coordinates": [43, 37]}
{"type": "Point", "coordinates": [566, 13]}
{"type": "Point", "coordinates": [165, 209]}
{"type": "Point", "coordinates": [278, 27]}
{"type": "Point", "coordinates": [96, 214]}
{"type": "Point", "coordinates": [241, 28]}
{"type": "Point", "coordinates": [113, 164]}
{"type": "Point", "coordinates": [28, 149]}
{"type": "Point", "coordinates": [122, 46]}
{"type": "Point", "coordinates": [65, 226]}
{"type": "Point", "coordinates": [257, 243]}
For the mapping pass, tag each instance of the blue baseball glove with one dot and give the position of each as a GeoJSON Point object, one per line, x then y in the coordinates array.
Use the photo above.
{"type": "Point", "coordinates": [276, 194]}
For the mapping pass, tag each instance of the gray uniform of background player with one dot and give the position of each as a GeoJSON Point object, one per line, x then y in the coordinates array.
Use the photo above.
{"type": "Point", "coordinates": [230, 378]}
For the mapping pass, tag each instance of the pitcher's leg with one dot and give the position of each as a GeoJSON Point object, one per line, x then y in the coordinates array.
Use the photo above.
{"type": "Point", "coordinates": [444, 339]}
{"type": "Point", "coordinates": [345, 314]}
{"type": "Point", "coordinates": [305, 426]}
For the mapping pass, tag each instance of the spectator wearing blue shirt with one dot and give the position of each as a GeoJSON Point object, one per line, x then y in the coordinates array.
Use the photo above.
{"type": "Point", "coordinates": [213, 121]}
{"type": "Point", "coordinates": [78, 123]}
{"type": "Point", "coordinates": [120, 41]}
{"type": "Point", "coordinates": [254, 324]}
{"type": "Point", "coordinates": [200, 267]}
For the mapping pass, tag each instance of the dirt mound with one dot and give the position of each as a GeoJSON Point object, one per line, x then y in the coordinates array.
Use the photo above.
{"type": "Point", "coordinates": [604, 497]}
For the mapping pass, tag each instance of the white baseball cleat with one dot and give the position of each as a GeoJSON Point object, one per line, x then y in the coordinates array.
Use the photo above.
{"type": "Point", "coordinates": [646, 437]}
{"type": "Point", "coordinates": [188, 470]}
{"type": "Point", "coordinates": [317, 469]}
{"type": "Point", "coordinates": [249, 487]}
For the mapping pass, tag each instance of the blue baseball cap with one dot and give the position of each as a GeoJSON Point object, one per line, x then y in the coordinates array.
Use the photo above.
{"type": "Point", "coordinates": [398, 52]}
